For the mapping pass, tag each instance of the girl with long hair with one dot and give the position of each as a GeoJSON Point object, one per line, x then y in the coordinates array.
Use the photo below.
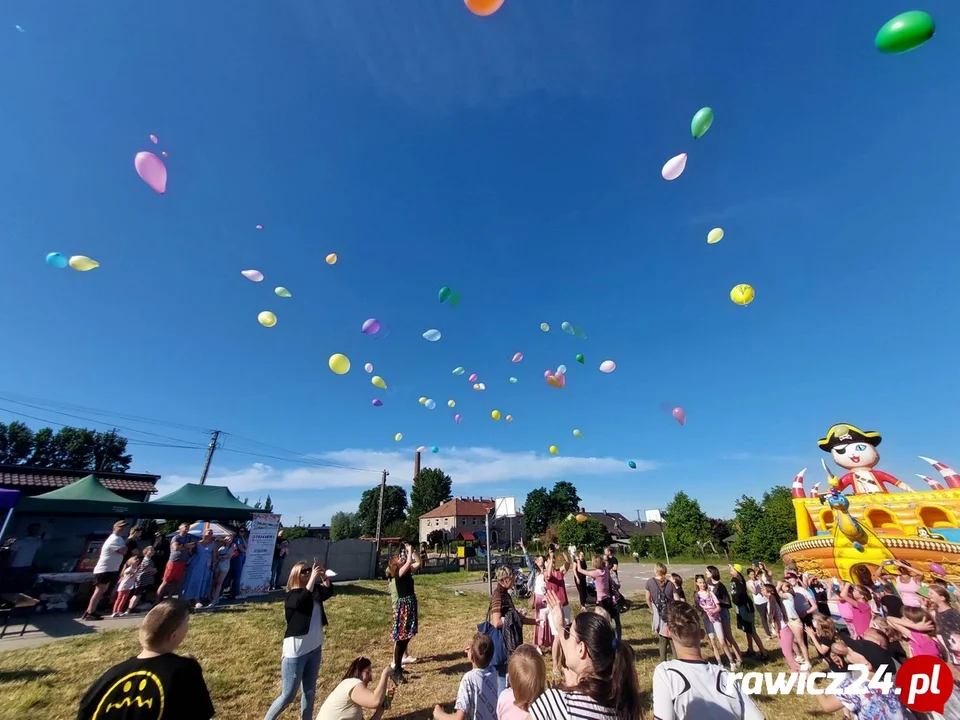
{"type": "Point", "coordinates": [405, 613]}
{"type": "Point", "coordinates": [601, 578]}
{"type": "Point", "coordinates": [353, 695]}
{"type": "Point", "coordinates": [778, 623]}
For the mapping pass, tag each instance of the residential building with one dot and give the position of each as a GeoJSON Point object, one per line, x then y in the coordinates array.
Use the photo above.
{"type": "Point", "coordinates": [462, 514]}
{"type": "Point", "coordinates": [621, 528]}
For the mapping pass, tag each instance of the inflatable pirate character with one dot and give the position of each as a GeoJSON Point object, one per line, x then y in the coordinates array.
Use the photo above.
{"type": "Point", "coordinates": [855, 451]}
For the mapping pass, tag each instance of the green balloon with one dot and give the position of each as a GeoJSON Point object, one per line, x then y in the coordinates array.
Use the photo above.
{"type": "Point", "coordinates": [454, 299]}
{"type": "Point", "coordinates": [905, 32]}
{"type": "Point", "coordinates": [580, 358]}
{"type": "Point", "coordinates": [444, 294]}
{"type": "Point", "coordinates": [701, 122]}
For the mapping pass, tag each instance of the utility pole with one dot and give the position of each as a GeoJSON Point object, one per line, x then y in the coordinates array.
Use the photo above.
{"type": "Point", "coordinates": [376, 551]}
{"type": "Point", "coordinates": [210, 448]}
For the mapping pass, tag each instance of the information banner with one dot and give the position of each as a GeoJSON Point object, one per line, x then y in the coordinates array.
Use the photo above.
{"type": "Point", "coordinates": [261, 542]}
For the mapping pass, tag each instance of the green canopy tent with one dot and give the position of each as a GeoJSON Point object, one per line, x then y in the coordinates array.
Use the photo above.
{"type": "Point", "coordinates": [83, 497]}
{"type": "Point", "coordinates": [208, 502]}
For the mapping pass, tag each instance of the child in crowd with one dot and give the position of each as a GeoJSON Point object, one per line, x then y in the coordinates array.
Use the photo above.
{"type": "Point", "coordinates": [858, 597]}
{"type": "Point", "coordinates": [922, 642]}
{"type": "Point", "coordinates": [755, 587]}
{"type": "Point", "coordinates": [723, 597]}
{"type": "Point", "coordinates": [789, 608]}
{"type": "Point", "coordinates": [776, 608]}
{"type": "Point", "coordinates": [678, 593]}
{"type": "Point", "coordinates": [822, 635]}
{"type": "Point", "coordinates": [477, 695]}
{"type": "Point", "coordinates": [128, 581]}
{"type": "Point", "coordinates": [710, 609]}
{"type": "Point", "coordinates": [687, 687]}
{"type": "Point", "coordinates": [146, 577]}
{"type": "Point", "coordinates": [528, 679]}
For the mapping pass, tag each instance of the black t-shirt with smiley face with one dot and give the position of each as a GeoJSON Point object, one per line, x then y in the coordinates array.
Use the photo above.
{"type": "Point", "coordinates": [166, 687]}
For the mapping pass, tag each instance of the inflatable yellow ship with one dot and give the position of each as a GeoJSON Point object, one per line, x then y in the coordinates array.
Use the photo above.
{"type": "Point", "coordinates": [839, 534]}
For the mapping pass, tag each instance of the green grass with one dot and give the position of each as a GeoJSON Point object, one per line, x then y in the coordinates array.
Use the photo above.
{"type": "Point", "coordinates": [239, 648]}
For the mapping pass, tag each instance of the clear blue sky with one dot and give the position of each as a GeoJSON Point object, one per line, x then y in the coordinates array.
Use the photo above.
{"type": "Point", "coordinates": [517, 160]}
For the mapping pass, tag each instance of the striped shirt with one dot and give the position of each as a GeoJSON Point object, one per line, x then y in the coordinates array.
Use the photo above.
{"type": "Point", "coordinates": [146, 573]}
{"type": "Point", "coordinates": [559, 705]}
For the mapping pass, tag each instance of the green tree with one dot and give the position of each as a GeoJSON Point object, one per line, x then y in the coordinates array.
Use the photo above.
{"type": "Point", "coordinates": [431, 487]}
{"type": "Point", "coordinates": [268, 506]}
{"type": "Point", "coordinates": [394, 508]}
{"type": "Point", "coordinates": [109, 452]}
{"type": "Point", "coordinates": [536, 512]}
{"type": "Point", "coordinates": [747, 515]}
{"type": "Point", "coordinates": [400, 529]}
{"type": "Point", "coordinates": [590, 535]}
{"type": "Point", "coordinates": [564, 501]}
{"type": "Point", "coordinates": [16, 443]}
{"type": "Point", "coordinates": [435, 538]}
{"type": "Point", "coordinates": [719, 530]}
{"type": "Point", "coordinates": [640, 544]}
{"type": "Point", "coordinates": [777, 526]}
{"type": "Point", "coordinates": [44, 448]}
{"type": "Point", "coordinates": [686, 524]}
{"type": "Point", "coordinates": [344, 526]}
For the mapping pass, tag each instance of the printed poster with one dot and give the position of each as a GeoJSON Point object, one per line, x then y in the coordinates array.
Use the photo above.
{"type": "Point", "coordinates": [261, 542]}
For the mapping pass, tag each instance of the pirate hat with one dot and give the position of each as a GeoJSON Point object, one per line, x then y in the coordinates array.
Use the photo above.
{"type": "Point", "coordinates": [844, 433]}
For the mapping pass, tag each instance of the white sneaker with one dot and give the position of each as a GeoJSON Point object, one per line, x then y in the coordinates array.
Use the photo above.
{"type": "Point", "coordinates": [113, 615]}
{"type": "Point", "coordinates": [798, 659]}
{"type": "Point", "coordinates": [407, 660]}
{"type": "Point", "coordinates": [804, 667]}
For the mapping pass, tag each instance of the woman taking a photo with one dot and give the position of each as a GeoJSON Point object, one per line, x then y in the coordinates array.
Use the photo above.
{"type": "Point", "coordinates": [353, 695]}
{"type": "Point", "coordinates": [401, 568]}
{"type": "Point", "coordinates": [307, 588]}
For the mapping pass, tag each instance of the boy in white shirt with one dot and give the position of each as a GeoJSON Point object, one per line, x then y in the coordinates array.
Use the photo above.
{"type": "Point", "coordinates": [477, 695]}
{"type": "Point", "coordinates": [690, 688]}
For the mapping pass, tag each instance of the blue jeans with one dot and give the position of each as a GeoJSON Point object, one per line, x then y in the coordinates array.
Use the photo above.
{"type": "Point", "coordinates": [275, 572]}
{"type": "Point", "coordinates": [302, 671]}
{"type": "Point", "coordinates": [501, 677]}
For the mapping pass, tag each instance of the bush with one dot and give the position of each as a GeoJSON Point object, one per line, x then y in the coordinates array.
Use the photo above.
{"type": "Point", "coordinates": [590, 535]}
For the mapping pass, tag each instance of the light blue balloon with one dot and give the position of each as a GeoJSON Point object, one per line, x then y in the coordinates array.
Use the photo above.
{"type": "Point", "coordinates": [430, 404]}
{"type": "Point", "coordinates": [435, 449]}
{"type": "Point", "coordinates": [432, 335]}
{"type": "Point", "coordinates": [513, 380]}
{"type": "Point", "coordinates": [562, 369]}
{"type": "Point", "coordinates": [56, 260]}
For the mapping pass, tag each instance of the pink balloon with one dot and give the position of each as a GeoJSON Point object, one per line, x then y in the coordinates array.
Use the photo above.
{"type": "Point", "coordinates": [153, 139]}
{"type": "Point", "coordinates": [472, 378]}
{"type": "Point", "coordinates": [370, 326]}
{"type": "Point", "coordinates": [377, 403]}
{"type": "Point", "coordinates": [152, 170]}
{"type": "Point", "coordinates": [517, 357]}
{"type": "Point", "coordinates": [547, 373]}
{"type": "Point", "coordinates": [254, 275]}
{"type": "Point", "coordinates": [679, 415]}
{"type": "Point", "coordinates": [674, 167]}
{"type": "Point", "coordinates": [259, 227]}
{"type": "Point", "coordinates": [937, 569]}
{"type": "Point", "coordinates": [457, 417]}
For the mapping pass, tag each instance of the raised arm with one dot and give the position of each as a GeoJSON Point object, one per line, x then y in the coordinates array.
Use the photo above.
{"type": "Point", "coordinates": [408, 563]}
{"type": "Point", "coordinates": [371, 699]}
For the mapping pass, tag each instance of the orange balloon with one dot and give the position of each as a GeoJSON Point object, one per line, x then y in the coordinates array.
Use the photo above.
{"type": "Point", "coordinates": [483, 8]}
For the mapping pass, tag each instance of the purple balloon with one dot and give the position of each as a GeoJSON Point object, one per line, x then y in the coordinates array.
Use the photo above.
{"type": "Point", "coordinates": [679, 415]}
{"type": "Point", "coordinates": [937, 569]}
{"type": "Point", "coordinates": [152, 170]}
{"type": "Point", "coordinates": [371, 326]}
{"type": "Point", "coordinates": [377, 402]}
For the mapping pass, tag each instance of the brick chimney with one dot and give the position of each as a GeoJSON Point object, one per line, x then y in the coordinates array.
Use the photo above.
{"type": "Point", "coordinates": [416, 464]}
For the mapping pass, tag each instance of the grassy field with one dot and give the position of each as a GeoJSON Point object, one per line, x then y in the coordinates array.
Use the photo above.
{"type": "Point", "coordinates": [239, 648]}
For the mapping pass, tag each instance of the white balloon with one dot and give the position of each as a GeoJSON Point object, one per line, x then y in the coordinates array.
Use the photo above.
{"type": "Point", "coordinates": [674, 167]}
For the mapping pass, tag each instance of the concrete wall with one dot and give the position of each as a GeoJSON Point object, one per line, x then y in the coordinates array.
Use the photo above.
{"type": "Point", "coordinates": [350, 559]}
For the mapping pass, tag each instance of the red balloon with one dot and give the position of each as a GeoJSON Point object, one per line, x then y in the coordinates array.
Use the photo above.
{"type": "Point", "coordinates": [483, 8]}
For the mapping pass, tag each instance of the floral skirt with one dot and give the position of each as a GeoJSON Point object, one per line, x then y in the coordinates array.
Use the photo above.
{"type": "Point", "coordinates": [405, 618]}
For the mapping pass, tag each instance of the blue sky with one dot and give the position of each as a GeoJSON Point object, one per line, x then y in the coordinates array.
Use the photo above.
{"type": "Point", "coordinates": [517, 160]}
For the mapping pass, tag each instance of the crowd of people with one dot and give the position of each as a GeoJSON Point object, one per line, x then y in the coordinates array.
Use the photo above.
{"type": "Point", "coordinates": [879, 623]}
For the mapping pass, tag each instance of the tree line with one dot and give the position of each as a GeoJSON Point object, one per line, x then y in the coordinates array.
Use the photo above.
{"type": "Point", "coordinates": [69, 448]}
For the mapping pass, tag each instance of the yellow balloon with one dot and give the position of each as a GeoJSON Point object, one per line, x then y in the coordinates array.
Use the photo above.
{"type": "Point", "coordinates": [377, 381]}
{"type": "Point", "coordinates": [267, 318]}
{"type": "Point", "coordinates": [544, 327]}
{"type": "Point", "coordinates": [553, 450]}
{"type": "Point", "coordinates": [451, 403]}
{"type": "Point", "coordinates": [83, 263]}
{"type": "Point", "coordinates": [509, 418]}
{"type": "Point", "coordinates": [577, 433]}
{"type": "Point", "coordinates": [422, 400]}
{"type": "Point", "coordinates": [495, 414]}
{"type": "Point", "coordinates": [742, 294]}
{"type": "Point", "coordinates": [476, 386]}
{"type": "Point", "coordinates": [332, 259]}
{"type": "Point", "coordinates": [398, 437]}
{"type": "Point", "coordinates": [339, 363]}
{"type": "Point", "coordinates": [714, 236]}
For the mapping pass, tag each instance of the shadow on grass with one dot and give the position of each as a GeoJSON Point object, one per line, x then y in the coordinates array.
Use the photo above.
{"type": "Point", "coordinates": [458, 669]}
{"type": "Point", "coordinates": [356, 590]}
{"type": "Point", "coordinates": [7, 676]}
{"type": "Point", "coordinates": [445, 657]}
{"type": "Point", "coordinates": [415, 715]}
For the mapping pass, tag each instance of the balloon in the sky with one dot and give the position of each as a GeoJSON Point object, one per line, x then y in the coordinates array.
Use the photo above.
{"type": "Point", "coordinates": [513, 380]}
{"type": "Point", "coordinates": [674, 167]}
{"type": "Point", "coordinates": [472, 378]}
{"type": "Point", "coordinates": [259, 227]}
{"type": "Point", "coordinates": [422, 400]}
{"type": "Point", "coordinates": [371, 326]}
{"type": "Point", "coordinates": [377, 381]}
{"type": "Point", "coordinates": [481, 386]}
{"type": "Point", "coordinates": [422, 448]}
{"type": "Point", "coordinates": [398, 437]}
{"type": "Point", "coordinates": [82, 263]}
{"type": "Point", "coordinates": [457, 417]}
{"type": "Point", "coordinates": [434, 449]}
{"type": "Point", "coordinates": [495, 414]}
{"type": "Point", "coordinates": [631, 464]}
{"type": "Point", "coordinates": [553, 450]}
{"type": "Point", "coordinates": [368, 367]}
{"type": "Point", "coordinates": [544, 327]}
{"type": "Point", "coordinates": [57, 260]}
{"type": "Point", "coordinates": [714, 236]}
{"type": "Point", "coordinates": [679, 415]}
{"type": "Point", "coordinates": [579, 358]}
{"type": "Point", "coordinates": [608, 366]}
{"type": "Point", "coordinates": [451, 403]}
{"type": "Point", "coordinates": [153, 139]}
{"type": "Point", "coordinates": [562, 369]}
{"type": "Point", "coordinates": [430, 404]}
{"type": "Point", "coordinates": [282, 292]}
{"type": "Point", "coordinates": [577, 433]}
{"type": "Point", "coordinates": [937, 569]}
{"type": "Point", "coordinates": [905, 32]}
{"type": "Point", "coordinates": [458, 371]}
{"type": "Point", "coordinates": [476, 386]}
{"type": "Point", "coordinates": [454, 298]}
{"type": "Point", "coordinates": [254, 275]}
{"type": "Point", "coordinates": [557, 380]}
{"type": "Point", "coordinates": [432, 335]}
{"type": "Point", "coordinates": [742, 294]}
{"type": "Point", "coordinates": [339, 363]}
{"type": "Point", "coordinates": [509, 418]}
{"type": "Point", "coordinates": [377, 403]}
{"type": "Point", "coordinates": [517, 357]}
{"type": "Point", "coordinates": [578, 332]}
{"type": "Point", "coordinates": [267, 318]}
{"type": "Point", "coordinates": [580, 518]}
{"type": "Point", "coordinates": [483, 8]}
{"type": "Point", "coordinates": [444, 294]}
{"type": "Point", "coordinates": [567, 328]}
{"type": "Point", "coordinates": [331, 259]}
{"type": "Point", "coordinates": [151, 170]}
{"type": "Point", "coordinates": [164, 153]}
{"type": "Point", "coordinates": [701, 122]}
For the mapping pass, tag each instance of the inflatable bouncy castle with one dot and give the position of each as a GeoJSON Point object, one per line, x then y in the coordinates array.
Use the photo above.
{"type": "Point", "coordinates": [838, 532]}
